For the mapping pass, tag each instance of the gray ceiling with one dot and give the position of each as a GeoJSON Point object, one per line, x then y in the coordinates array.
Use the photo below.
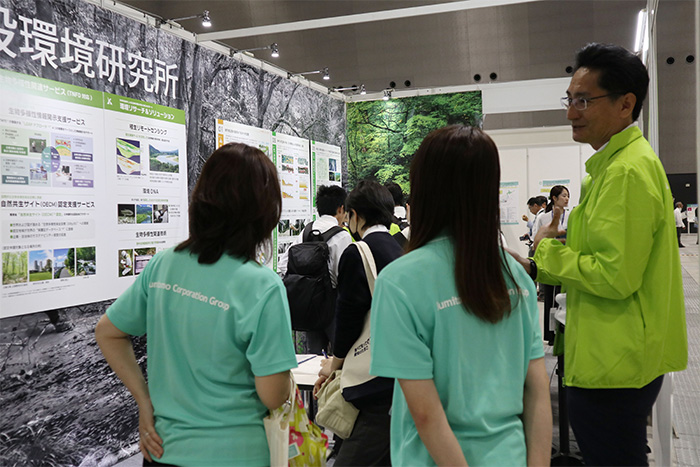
{"type": "Point", "coordinates": [522, 41]}
{"type": "Point", "coordinates": [517, 42]}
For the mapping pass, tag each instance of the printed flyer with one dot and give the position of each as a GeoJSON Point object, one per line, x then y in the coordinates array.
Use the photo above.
{"type": "Point", "coordinates": [60, 192]}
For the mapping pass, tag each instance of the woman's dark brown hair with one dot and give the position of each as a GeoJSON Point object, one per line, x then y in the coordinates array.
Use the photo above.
{"type": "Point", "coordinates": [455, 177]}
{"type": "Point", "coordinates": [235, 205]}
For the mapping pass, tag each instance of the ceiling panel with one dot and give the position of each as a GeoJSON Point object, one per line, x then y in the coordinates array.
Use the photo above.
{"type": "Point", "coordinates": [517, 42]}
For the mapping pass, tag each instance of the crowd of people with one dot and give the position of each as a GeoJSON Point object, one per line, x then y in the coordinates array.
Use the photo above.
{"type": "Point", "coordinates": [457, 373]}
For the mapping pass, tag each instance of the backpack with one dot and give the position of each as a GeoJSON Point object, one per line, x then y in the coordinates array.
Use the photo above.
{"type": "Point", "coordinates": [310, 292]}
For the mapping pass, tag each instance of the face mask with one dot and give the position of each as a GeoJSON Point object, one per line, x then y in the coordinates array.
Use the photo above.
{"type": "Point", "coordinates": [355, 235]}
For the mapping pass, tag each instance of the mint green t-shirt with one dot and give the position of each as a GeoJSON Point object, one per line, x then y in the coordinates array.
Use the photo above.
{"type": "Point", "coordinates": [211, 329]}
{"type": "Point", "coordinates": [420, 330]}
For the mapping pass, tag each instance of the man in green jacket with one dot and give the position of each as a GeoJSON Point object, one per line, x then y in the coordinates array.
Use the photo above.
{"type": "Point", "coordinates": [625, 324]}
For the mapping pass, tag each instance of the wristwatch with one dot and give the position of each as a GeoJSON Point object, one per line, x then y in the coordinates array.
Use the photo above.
{"type": "Point", "coordinates": [533, 269]}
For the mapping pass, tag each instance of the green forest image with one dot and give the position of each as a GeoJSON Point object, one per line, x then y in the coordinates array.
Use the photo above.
{"type": "Point", "coordinates": [85, 261]}
{"type": "Point", "coordinates": [384, 135]}
{"type": "Point", "coordinates": [14, 267]}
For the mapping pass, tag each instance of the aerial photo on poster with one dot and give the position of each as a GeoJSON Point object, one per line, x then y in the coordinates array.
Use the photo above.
{"type": "Point", "coordinates": [163, 158]}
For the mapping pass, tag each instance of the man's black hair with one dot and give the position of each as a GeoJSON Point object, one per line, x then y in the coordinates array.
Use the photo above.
{"type": "Point", "coordinates": [329, 199]}
{"type": "Point", "coordinates": [396, 192]}
{"type": "Point", "coordinates": [541, 200]}
{"type": "Point", "coordinates": [372, 202]}
{"type": "Point", "coordinates": [532, 201]}
{"type": "Point", "coordinates": [621, 71]}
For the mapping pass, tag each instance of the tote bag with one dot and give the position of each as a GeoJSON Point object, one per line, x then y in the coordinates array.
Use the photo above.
{"type": "Point", "coordinates": [356, 364]}
{"type": "Point", "coordinates": [334, 412]}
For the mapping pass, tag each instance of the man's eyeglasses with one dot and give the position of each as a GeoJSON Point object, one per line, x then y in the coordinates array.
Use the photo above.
{"type": "Point", "coordinates": [581, 103]}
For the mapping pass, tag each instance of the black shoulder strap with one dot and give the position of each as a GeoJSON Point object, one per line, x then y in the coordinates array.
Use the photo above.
{"type": "Point", "coordinates": [306, 233]}
{"type": "Point", "coordinates": [330, 232]}
{"type": "Point", "coordinates": [400, 238]}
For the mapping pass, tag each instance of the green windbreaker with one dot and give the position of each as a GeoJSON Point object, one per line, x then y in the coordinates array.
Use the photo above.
{"type": "Point", "coordinates": [625, 322]}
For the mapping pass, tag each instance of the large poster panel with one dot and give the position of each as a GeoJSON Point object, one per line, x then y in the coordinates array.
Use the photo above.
{"type": "Point", "coordinates": [384, 135]}
{"type": "Point", "coordinates": [292, 156]}
{"type": "Point", "coordinates": [327, 164]}
{"type": "Point", "coordinates": [63, 178]}
{"type": "Point", "coordinates": [147, 178]}
{"type": "Point", "coordinates": [295, 172]}
{"type": "Point", "coordinates": [232, 132]}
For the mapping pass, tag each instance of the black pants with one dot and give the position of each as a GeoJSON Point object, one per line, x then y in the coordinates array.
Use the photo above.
{"type": "Point", "coordinates": [550, 291]}
{"type": "Point", "coordinates": [610, 425]}
{"type": "Point", "coordinates": [679, 231]}
{"type": "Point", "coordinates": [368, 444]}
{"type": "Point", "coordinates": [318, 341]}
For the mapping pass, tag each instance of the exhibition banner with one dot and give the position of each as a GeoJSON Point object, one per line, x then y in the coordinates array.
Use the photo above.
{"type": "Point", "coordinates": [508, 201]}
{"type": "Point", "coordinates": [51, 45]}
{"type": "Point", "coordinates": [90, 188]}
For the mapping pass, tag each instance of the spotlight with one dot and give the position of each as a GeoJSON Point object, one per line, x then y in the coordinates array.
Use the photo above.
{"type": "Point", "coordinates": [387, 95]}
{"type": "Point", "coordinates": [206, 19]}
{"type": "Point", "coordinates": [275, 50]}
{"type": "Point", "coordinates": [326, 76]}
{"type": "Point", "coordinates": [363, 91]}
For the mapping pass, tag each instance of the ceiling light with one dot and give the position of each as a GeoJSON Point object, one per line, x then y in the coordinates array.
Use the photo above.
{"type": "Point", "coordinates": [273, 47]}
{"type": "Point", "coordinates": [326, 76]}
{"type": "Point", "coordinates": [206, 19]}
{"type": "Point", "coordinates": [387, 95]}
{"type": "Point", "coordinates": [354, 88]}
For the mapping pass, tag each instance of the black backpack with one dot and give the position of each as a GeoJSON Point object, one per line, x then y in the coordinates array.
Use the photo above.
{"type": "Point", "coordinates": [309, 290]}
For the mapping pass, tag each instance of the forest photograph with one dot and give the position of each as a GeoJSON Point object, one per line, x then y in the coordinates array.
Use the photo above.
{"type": "Point", "coordinates": [384, 135]}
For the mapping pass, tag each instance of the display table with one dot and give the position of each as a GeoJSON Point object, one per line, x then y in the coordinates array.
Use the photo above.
{"type": "Point", "coordinates": [306, 373]}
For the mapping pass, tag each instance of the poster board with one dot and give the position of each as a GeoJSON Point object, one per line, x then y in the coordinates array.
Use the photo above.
{"type": "Point", "coordinates": [92, 185]}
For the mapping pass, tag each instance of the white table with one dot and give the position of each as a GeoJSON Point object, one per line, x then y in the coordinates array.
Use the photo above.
{"type": "Point", "coordinates": [306, 373]}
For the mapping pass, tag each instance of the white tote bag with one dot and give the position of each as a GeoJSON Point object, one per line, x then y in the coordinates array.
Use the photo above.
{"type": "Point", "coordinates": [277, 430]}
{"type": "Point", "coordinates": [356, 365]}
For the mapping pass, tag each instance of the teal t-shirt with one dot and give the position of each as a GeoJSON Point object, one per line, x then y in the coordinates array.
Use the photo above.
{"type": "Point", "coordinates": [420, 330]}
{"type": "Point", "coordinates": [211, 329]}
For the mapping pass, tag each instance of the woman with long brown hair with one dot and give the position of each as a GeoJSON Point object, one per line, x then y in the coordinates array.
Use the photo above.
{"type": "Point", "coordinates": [218, 324]}
{"type": "Point", "coordinates": [455, 320]}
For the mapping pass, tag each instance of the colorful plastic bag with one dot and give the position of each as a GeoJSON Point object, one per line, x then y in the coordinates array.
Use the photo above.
{"type": "Point", "coordinates": [293, 439]}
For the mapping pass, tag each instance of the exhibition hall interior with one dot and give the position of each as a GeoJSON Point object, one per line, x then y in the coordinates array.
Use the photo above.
{"type": "Point", "coordinates": [110, 109]}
